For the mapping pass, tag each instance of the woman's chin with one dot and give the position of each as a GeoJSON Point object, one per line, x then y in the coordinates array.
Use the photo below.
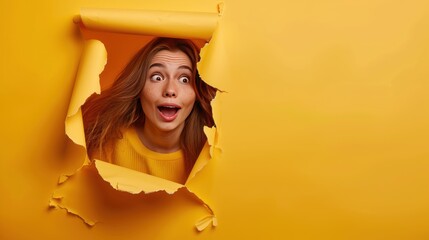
{"type": "Point", "coordinates": [169, 127]}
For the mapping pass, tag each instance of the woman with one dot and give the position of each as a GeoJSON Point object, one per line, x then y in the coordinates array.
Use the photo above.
{"type": "Point", "coordinates": [152, 118]}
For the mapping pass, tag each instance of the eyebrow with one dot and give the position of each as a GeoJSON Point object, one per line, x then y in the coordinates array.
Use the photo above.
{"type": "Point", "coordinates": [163, 66]}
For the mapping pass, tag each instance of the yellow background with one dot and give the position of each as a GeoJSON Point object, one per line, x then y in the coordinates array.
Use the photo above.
{"type": "Point", "coordinates": [324, 126]}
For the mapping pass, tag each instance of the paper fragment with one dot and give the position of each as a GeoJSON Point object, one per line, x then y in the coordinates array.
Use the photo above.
{"type": "Point", "coordinates": [73, 123]}
{"type": "Point", "coordinates": [216, 103]}
{"type": "Point", "coordinates": [202, 160]}
{"type": "Point", "coordinates": [134, 182]}
{"type": "Point", "coordinates": [205, 222]}
{"type": "Point", "coordinates": [55, 202]}
{"type": "Point", "coordinates": [62, 179]}
{"type": "Point", "coordinates": [220, 7]}
{"type": "Point", "coordinates": [211, 138]}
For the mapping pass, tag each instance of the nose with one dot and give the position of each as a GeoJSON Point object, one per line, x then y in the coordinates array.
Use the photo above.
{"type": "Point", "coordinates": [169, 93]}
{"type": "Point", "coordinates": [169, 90]}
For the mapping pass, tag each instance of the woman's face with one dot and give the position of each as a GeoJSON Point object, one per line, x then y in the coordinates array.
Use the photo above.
{"type": "Point", "coordinates": [168, 97]}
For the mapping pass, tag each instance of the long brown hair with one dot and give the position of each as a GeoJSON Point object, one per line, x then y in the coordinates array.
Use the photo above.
{"type": "Point", "coordinates": [118, 107]}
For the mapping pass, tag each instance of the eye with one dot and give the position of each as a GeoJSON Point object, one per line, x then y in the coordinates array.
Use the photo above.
{"type": "Point", "coordinates": [184, 79]}
{"type": "Point", "coordinates": [156, 77]}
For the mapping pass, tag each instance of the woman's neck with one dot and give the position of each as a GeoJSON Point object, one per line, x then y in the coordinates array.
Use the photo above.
{"type": "Point", "coordinates": [159, 141]}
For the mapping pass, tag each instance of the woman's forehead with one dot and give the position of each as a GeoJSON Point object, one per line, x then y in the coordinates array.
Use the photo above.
{"type": "Point", "coordinates": [167, 57]}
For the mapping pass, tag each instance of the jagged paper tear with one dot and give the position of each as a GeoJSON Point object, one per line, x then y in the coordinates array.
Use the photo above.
{"type": "Point", "coordinates": [93, 60]}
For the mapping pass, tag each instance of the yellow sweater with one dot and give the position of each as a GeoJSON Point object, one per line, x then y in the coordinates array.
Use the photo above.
{"type": "Point", "coordinates": [130, 152]}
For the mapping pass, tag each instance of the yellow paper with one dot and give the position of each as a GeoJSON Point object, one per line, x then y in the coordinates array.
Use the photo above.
{"type": "Point", "coordinates": [323, 130]}
{"type": "Point", "coordinates": [155, 23]}
{"type": "Point", "coordinates": [131, 181]}
{"type": "Point", "coordinates": [87, 83]}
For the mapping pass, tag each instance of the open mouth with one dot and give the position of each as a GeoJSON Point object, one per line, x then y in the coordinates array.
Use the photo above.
{"type": "Point", "coordinates": [168, 111]}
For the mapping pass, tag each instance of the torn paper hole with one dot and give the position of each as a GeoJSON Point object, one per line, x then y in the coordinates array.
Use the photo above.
{"type": "Point", "coordinates": [87, 83]}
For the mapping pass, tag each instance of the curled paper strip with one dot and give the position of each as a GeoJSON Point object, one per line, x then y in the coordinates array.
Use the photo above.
{"type": "Point", "coordinates": [155, 23]}
{"type": "Point", "coordinates": [87, 82]}
{"type": "Point", "coordinates": [91, 65]}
